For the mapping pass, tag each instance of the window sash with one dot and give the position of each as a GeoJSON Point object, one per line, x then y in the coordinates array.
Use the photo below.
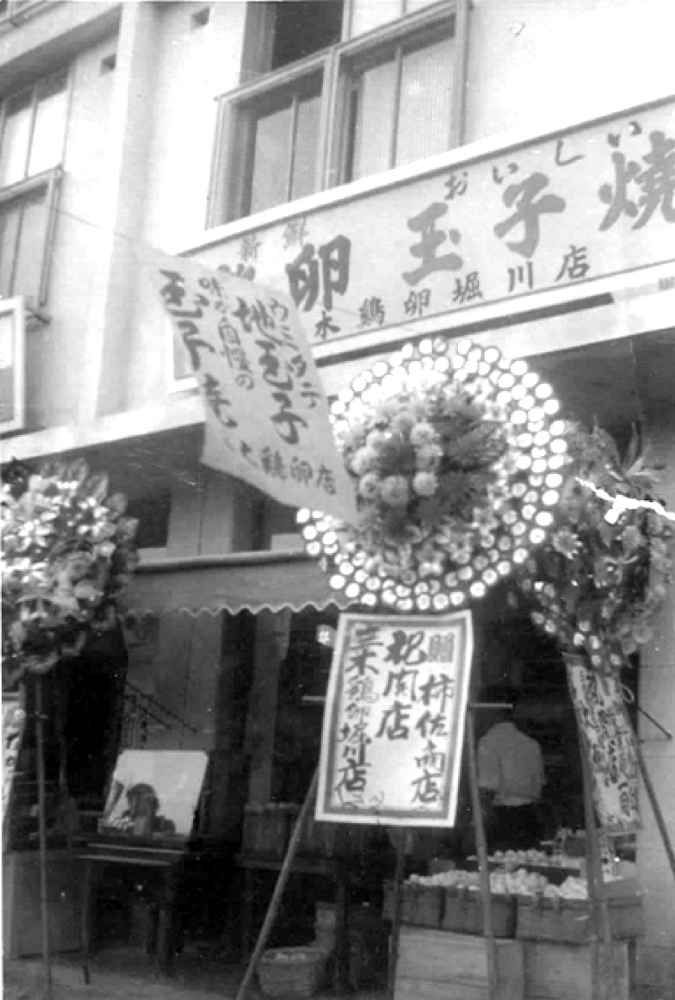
{"type": "Point", "coordinates": [33, 129]}
{"type": "Point", "coordinates": [26, 237]}
{"type": "Point", "coordinates": [339, 67]}
{"type": "Point", "coordinates": [12, 366]}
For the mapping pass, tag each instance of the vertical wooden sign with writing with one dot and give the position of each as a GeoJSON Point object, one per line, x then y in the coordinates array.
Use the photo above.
{"type": "Point", "coordinates": [609, 743]}
{"type": "Point", "coordinates": [394, 722]}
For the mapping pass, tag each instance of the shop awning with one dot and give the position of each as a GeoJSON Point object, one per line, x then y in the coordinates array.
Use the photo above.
{"type": "Point", "coordinates": [235, 582]}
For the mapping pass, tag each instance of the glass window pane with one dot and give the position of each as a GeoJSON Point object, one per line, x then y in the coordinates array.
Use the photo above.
{"type": "Point", "coordinates": [306, 136]}
{"type": "Point", "coordinates": [424, 112]}
{"type": "Point", "coordinates": [374, 121]}
{"type": "Point", "coordinates": [49, 130]}
{"type": "Point", "coordinates": [10, 217]}
{"type": "Point", "coordinates": [369, 14]}
{"type": "Point", "coordinates": [30, 256]}
{"type": "Point", "coordinates": [271, 153]}
{"type": "Point", "coordinates": [15, 139]}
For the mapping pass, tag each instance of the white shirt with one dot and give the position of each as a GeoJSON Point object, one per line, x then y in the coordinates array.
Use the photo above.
{"type": "Point", "coordinates": [511, 765]}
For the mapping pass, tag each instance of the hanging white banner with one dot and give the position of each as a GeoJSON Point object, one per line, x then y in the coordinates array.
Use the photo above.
{"type": "Point", "coordinates": [266, 412]}
{"type": "Point", "coordinates": [609, 743]}
{"type": "Point", "coordinates": [394, 723]}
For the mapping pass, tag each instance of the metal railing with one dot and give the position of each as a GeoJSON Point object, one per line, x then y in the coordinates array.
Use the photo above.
{"type": "Point", "coordinates": [141, 714]}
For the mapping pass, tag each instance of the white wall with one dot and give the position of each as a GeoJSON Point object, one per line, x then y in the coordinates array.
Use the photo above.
{"type": "Point", "coordinates": [197, 64]}
{"type": "Point", "coordinates": [534, 62]}
{"type": "Point", "coordinates": [55, 350]}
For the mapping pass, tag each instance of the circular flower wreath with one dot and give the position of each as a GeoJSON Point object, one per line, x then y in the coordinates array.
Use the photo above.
{"type": "Point", "coordinates": [68, 552]}
{"type": "Point", "coordinates": [456, 465]}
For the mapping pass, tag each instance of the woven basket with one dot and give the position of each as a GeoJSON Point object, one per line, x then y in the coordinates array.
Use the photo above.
{"type": "Point", "coordinates": [292, 972]}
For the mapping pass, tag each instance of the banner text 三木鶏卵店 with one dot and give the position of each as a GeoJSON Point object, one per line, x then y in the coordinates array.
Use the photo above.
{"type": "Point", "coordinates": [393, 727]}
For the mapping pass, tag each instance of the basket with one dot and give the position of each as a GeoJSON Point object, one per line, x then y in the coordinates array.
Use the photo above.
{"type": "Point", "coordinates": [292, 972]}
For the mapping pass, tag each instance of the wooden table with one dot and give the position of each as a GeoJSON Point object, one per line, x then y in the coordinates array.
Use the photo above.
{"type": "Point", "coordinates": [166, 861]}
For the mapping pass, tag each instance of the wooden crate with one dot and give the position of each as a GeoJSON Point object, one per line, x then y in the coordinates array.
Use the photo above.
{"type": "Point", "coordinates": [438, 965]}
{"type": "Point", "coordinates": [421, 905]}
{"type": "Point", "coordinates": [563, 971]}
{"type": "Point", "coordinates": [463, 913]}
{"type": "Point", "coordinates": [569, 920]}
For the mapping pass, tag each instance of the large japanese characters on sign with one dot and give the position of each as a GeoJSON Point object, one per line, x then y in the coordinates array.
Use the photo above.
{"type": "Point", "coordinates": [567, 210]}
{"type": "Point", "coordinates": [610, 746]}
{"type": "Point", "coordinates": [393, 728]}
{"type": "Point", "coordinates": [266, 413]}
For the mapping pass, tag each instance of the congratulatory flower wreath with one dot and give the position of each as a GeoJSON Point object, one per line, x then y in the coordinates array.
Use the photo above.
{"type": "Point", "coordinates": [456, 463]}
{"type": "Point", "coordinates": [68, 552]}
{"type": "Point", "coordinates": [598, 582]}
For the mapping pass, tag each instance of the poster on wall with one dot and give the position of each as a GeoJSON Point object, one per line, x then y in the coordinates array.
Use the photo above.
{"type": "Point", "coordinates": [266, 412]}
{"type": "Point", "coordinates": [609, 744]}
{"type": "Point", "coordinates": [154, 793]}
{"type": "Point", "coordinates": [394, 722]}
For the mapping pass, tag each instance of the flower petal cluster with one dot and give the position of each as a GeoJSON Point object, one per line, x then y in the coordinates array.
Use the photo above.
{"type": "Point", "coordinates": [596, 585]}
{"type": "Point", "coordinates": [452, 472]}
{"type": "Point", "coordinates": [68, 552]}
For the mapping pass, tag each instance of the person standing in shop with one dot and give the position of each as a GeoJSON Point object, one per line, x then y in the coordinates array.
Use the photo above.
{"type": "Point", "coordinates": [510, 776]}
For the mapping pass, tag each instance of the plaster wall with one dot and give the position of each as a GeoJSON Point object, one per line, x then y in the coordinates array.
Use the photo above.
{"type": "Point", "coordinates": [55, 349]}
{"type": "Point", "coordinates": [532, 62]}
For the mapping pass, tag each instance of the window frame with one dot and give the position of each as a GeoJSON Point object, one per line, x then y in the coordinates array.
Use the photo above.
{"type": "Point", "coordinates": [235, 129]}
{"type": "Point", "coordinates": [232, 151]}
{"type": "Point", "coordinates": [355, 59]}
{"type": "Point", "coordinates": [15, 307]}
{"type": "Point", "coordinates": [49, 180]}
{"type": "Point", "coordinates": [175, 383]}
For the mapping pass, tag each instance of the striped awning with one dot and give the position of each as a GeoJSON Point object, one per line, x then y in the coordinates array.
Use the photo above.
{"type": "Point", "coordinates": [250, 581]}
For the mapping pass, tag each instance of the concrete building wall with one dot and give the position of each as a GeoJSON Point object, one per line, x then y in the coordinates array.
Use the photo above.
{"type": "Point", "coordinates": [532, 64]}
{"type": "Point", "coordinates": [55, 348]}
{"type": "Point", "coordinates": [140, 144]}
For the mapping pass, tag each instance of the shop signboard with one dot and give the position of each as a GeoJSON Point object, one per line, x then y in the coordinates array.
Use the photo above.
{"type": "Point", "coordinates": [394, 722]}
{"type": "Point", "coordinates": [266, 412]}
{"type": "Point", "coordinates": [564, 210]}
{"type": "Point", "coordinates": [609, 742]}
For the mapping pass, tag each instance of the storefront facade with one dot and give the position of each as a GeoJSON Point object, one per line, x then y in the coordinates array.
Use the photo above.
{"type": "Point", "coordinates": [537, 216]}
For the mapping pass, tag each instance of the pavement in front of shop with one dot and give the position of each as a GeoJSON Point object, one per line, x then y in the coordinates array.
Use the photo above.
{"type": "Point", "coordinates": [119, 974]}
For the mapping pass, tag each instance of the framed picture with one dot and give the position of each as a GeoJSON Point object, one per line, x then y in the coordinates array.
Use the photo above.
{"type": "Point", "coordinates": [154, 793]}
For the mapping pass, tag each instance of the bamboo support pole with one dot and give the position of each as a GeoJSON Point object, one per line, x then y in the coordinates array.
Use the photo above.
{"type": "Point", "coordinates": [42, 833]}
{"type": "Point", "coordinates": [596, 892]}
{"type": "Point", "coordinates": [396, 916]}
{"type": "Point", "coordinates": [481, 851]}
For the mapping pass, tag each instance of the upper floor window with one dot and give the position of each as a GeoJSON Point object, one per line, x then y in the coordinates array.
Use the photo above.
{"type": "Point", "coordinates": [32, 134]}
{"type": "Point", "coordinates": [329, 111]}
